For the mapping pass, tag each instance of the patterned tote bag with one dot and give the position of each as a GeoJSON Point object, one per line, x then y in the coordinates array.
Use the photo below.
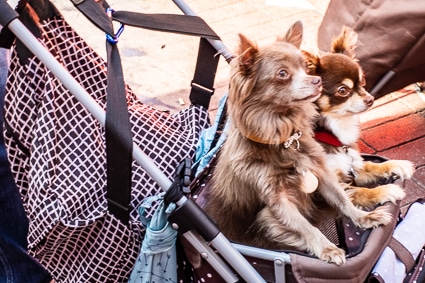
{"type": "Point", "coordinates": [57, 154]}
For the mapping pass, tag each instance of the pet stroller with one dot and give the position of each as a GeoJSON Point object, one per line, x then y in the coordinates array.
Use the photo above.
{"type": "Point", "coordinates": [391, 40]}
{"type": "Point", "coordinates": [82, 233]}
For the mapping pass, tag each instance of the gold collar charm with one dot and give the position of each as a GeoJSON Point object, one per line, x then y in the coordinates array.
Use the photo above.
{"type": "Point", "coordinates": [295, 137]}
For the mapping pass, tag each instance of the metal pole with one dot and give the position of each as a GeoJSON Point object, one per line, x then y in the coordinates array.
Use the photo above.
{"type": "Point", "coordinates": [382, 82]}
{"type": "Point", "coordinates": [211, 257]}
{"type": "Point", "coordinates": [217, 44]}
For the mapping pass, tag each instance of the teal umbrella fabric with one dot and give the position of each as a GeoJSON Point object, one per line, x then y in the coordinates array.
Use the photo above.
{"type": "Point", "coordinates": [157, 260]}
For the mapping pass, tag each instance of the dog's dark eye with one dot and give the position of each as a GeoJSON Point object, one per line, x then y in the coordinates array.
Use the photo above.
{"type": "Point", "coordinates": [282, 73]}
{"type": "Point", "coordinates": [343, 90]}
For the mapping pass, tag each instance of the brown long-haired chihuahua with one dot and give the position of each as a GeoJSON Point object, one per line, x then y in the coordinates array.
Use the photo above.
{"type": "Point", "coordinates": [271, 172]}
{"type": "Point", "coordinates": [338, 128]}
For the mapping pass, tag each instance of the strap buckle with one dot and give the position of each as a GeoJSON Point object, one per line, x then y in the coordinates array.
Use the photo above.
{"type": "Point", "coordinates": [202, 88]}
{"type": "Point", "coordinates": [113, 39]}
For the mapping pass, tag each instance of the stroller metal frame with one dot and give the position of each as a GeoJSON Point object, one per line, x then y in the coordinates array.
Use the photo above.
{"type": "Point", "coordinates": [232, 253]}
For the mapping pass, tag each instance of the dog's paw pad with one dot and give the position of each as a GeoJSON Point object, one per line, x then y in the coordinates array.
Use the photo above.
{"type": "Point", "coordinates": [333, 254]}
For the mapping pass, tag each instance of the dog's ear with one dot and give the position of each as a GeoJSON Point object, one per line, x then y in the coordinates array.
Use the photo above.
{"type": "Point", "coordinates": [248, 51]}
{"type": "Point", "coordinates": [294, 35]}
{"type": "Point", "coordinates": [312, 62]}
{"type": "Point", "coordinates": [345, 43]}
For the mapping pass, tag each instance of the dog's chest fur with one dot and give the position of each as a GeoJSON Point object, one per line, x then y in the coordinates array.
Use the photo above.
{"type": "Point", "coordinates": [345, 128]}
{"type": "Point", "coordinates": [343, 158]}
{"type": "Point", "coordinates": [250, 166]}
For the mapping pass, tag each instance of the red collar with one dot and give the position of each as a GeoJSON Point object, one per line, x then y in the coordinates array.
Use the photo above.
{"type": "Point", "coordinates": [325, 136]}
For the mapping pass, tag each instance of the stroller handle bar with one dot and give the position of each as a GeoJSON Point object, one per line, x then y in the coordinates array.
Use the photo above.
{"type": "Point", "coordinates": [217, 44]}
{"type": "Point", "coordinates": [7, 13]}
{"type": "Point", "coordinates": [9, 18]}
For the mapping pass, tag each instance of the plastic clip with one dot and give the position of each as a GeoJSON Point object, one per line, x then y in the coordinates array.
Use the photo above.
{"type": "Point", "coordinates": [113, 39]}
{"type": "Point", "coordinates": [184, 173]}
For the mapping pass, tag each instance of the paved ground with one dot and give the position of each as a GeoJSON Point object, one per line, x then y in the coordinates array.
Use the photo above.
{"type": "Point", "coordinates": [394, 128]}
{"type": "Point", "coordinates": [159, 66]}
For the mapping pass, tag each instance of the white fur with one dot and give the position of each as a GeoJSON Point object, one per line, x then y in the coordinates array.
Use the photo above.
{"type": "Point", "coordinates": [345, 128]}
{"type": "Point", "coordinates": [348, 83]}
{"type": "Point", "coordinates": [354, 105]}
{"type": "Point", "coordinates": [344, 161]}
{"type": "Point", "coordinates": [298, 86]}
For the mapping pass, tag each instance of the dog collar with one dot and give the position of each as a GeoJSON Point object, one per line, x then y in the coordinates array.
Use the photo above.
{"type": "Point", "coordinates": [294, 137]}
{"type": "Point", "coordinates": [327, 137]}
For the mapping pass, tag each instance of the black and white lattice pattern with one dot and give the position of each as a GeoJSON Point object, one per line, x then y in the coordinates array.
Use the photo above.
{"type": "Point", "coordinates": [63, 180]}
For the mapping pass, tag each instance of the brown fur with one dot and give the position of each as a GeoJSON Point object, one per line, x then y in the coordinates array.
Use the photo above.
{"type": "Point", "coordinates": [343, 98]}
{"type": "Point", "coordinates": [257, 195]}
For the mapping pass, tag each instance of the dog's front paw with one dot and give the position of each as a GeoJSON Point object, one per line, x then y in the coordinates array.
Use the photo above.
{"type": "Point", "coordinates": [374, 218]}
{"type": "Point", "coordinates": [392, 193]}
{"type": "Point", "coordinates": [333, 254]}
{"type": "Point", "coordinates": [402, 169]}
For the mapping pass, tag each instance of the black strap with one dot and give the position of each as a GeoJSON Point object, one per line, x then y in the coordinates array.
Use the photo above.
{"type": "Point", "coordinates": [181, 24]}
{"type": "Point", "coordinates": [117, 126]}
{"type": "Point", "coordinates": [95, 12]}
{"type": "Point", "coordinates": [203, 79]}
{"type": "Point", "coordinates": [202, 86]}
{"type": "Point", "coordinates": [6, 38]}
{"type": "Point", "coordinates": [119, 142]}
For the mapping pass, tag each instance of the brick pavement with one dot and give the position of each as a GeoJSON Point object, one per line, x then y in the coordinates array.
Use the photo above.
{"type": "Point", "coordinates": [395, 128]}
{"type": "Point", "coordinates": [159, 66]}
